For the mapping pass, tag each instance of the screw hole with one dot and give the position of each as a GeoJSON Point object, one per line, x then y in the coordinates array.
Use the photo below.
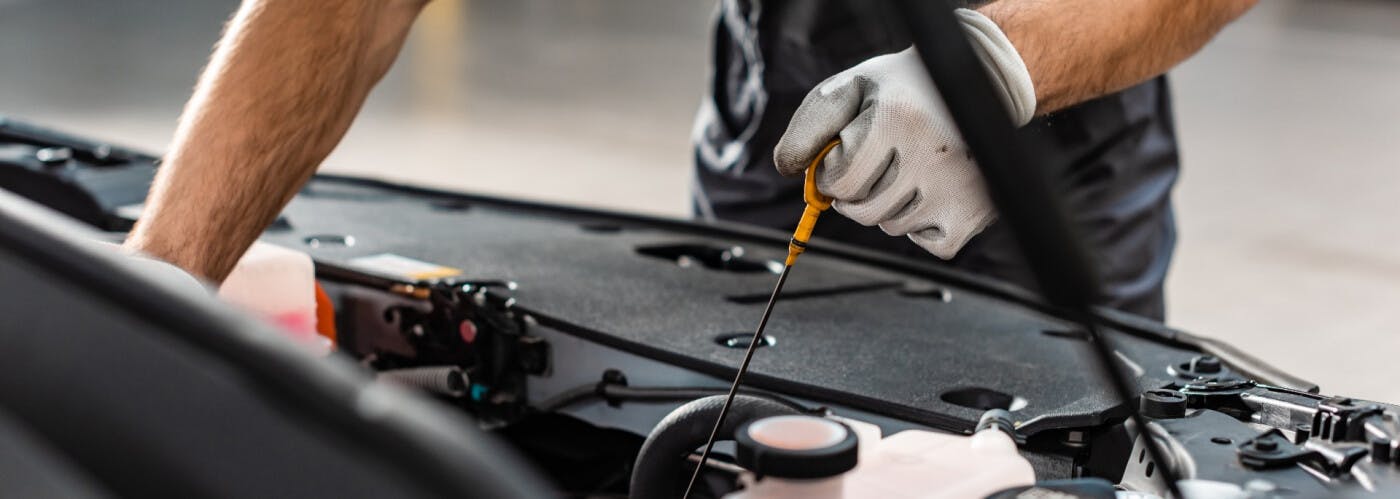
{"type": "Point", "coordinates": [712, 257]}
{"type": "Point", "coordinates": [1222, 440]}
{"type": "Point", "coordinates": [741, 340]}
{"type": "Point", "coordinates": [1151, 467]}
{"type": "Point", "coordinates": [926, 290]}
{"type": "Point", "coordinates": [328, 240]}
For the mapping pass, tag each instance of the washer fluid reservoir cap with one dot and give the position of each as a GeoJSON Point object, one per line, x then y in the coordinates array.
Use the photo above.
{"type": "Point", "coordinates": [799, 447]}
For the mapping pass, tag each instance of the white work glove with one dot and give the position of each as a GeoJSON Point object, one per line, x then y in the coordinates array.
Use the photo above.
{"type": "Point", "coordinates": [902, 165]}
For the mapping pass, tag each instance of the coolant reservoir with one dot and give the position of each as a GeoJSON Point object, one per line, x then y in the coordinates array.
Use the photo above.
{"type": "Point", "coordinates": [796, 457]}
{"type": "Point", "coordinates": [278, 284]}
{"type": "Point", "coordinates": [909, 464]}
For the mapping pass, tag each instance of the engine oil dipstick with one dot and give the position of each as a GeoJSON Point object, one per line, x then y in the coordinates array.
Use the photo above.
{"type": "Point", "coordinates": [816, 204]}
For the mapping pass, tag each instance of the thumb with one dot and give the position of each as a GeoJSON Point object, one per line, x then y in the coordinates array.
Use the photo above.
{"type": "Point", "coordinates": [826, 110]}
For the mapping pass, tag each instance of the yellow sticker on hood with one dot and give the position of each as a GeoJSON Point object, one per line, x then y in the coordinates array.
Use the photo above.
{"type": "Point", "coordinates": [390, 264]}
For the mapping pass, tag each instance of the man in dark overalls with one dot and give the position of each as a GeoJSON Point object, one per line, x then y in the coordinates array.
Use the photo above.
{"type": "Point", "coordinates": [288, 77]}
{"type": "Point", "coordinates": [901, 165]}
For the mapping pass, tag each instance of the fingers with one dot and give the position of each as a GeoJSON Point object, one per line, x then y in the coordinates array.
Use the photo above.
{"type": "Point", "coordinates": [888, 197]}
{"type": "Point", "coordinates": [867, 150]}
{"type": "Point", "coordinates": [938, 243]}
{"type": "Point", "coordinates": [934, 241]}
{"type": "Point", "coordinates": [945, 240]}
{"type": "Point", "coordinates": [825, 111]}
{"type": "Point", "coordinates": [944, 214]}
{"type": "Point", "coordinates": [919, 214]}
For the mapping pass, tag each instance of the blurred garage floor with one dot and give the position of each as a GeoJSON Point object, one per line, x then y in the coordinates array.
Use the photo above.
{"type": "Point", "coordinates": [1289, 127]}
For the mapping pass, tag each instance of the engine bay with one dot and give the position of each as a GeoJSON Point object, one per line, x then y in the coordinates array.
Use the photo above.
{"type": "Point", "coordinates": [614, 329]}
{"type": "Point", "coordinates": [579, 337]}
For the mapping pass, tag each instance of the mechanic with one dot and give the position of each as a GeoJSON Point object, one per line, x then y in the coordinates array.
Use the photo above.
{"type": "Point", "coordinates": [1083, 78]}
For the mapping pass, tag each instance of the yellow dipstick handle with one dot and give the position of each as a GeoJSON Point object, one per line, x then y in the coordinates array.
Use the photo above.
{"type": "Point", "coordinates": [816, 204]}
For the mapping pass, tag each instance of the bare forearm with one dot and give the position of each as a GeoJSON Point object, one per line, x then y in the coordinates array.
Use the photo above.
{"type": "Point", "coordinates": [281, 89]}
{"type": "Point", "coordinates": [1077, 50]}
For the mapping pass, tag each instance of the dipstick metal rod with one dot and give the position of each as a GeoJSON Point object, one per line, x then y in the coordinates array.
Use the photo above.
{"type": "Point", "coordinates": [734, 388]}
{"type": "Point", "coordinates": [816, 204]}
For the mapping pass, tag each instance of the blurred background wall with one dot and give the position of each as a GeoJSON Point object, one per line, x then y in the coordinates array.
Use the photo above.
{"type": "Point", "coordinates": [1289, 204]}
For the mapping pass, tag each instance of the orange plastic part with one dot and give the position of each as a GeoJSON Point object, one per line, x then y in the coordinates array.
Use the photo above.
{"type": "Point", "coordinates": [325, 314]}
{"type": "Point", "coordinates": [816, 204]}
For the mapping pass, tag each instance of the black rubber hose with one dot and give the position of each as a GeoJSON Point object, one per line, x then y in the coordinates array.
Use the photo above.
{"type": "Point", "coordinates": [661, 464]}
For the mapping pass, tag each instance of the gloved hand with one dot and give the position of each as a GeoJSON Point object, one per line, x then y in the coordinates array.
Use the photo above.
{"type": "Point", "coordinates": [902, 165]}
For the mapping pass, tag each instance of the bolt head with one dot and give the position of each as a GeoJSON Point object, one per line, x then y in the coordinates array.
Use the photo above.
{"type": "Point", "coordinates": [1205, 364]}
{"type": "Point", "coordinates": [54, 155]}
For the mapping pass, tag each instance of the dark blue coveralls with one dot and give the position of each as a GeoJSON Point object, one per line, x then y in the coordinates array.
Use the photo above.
{"type": "Point", "coordinates": [1114, 158]}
